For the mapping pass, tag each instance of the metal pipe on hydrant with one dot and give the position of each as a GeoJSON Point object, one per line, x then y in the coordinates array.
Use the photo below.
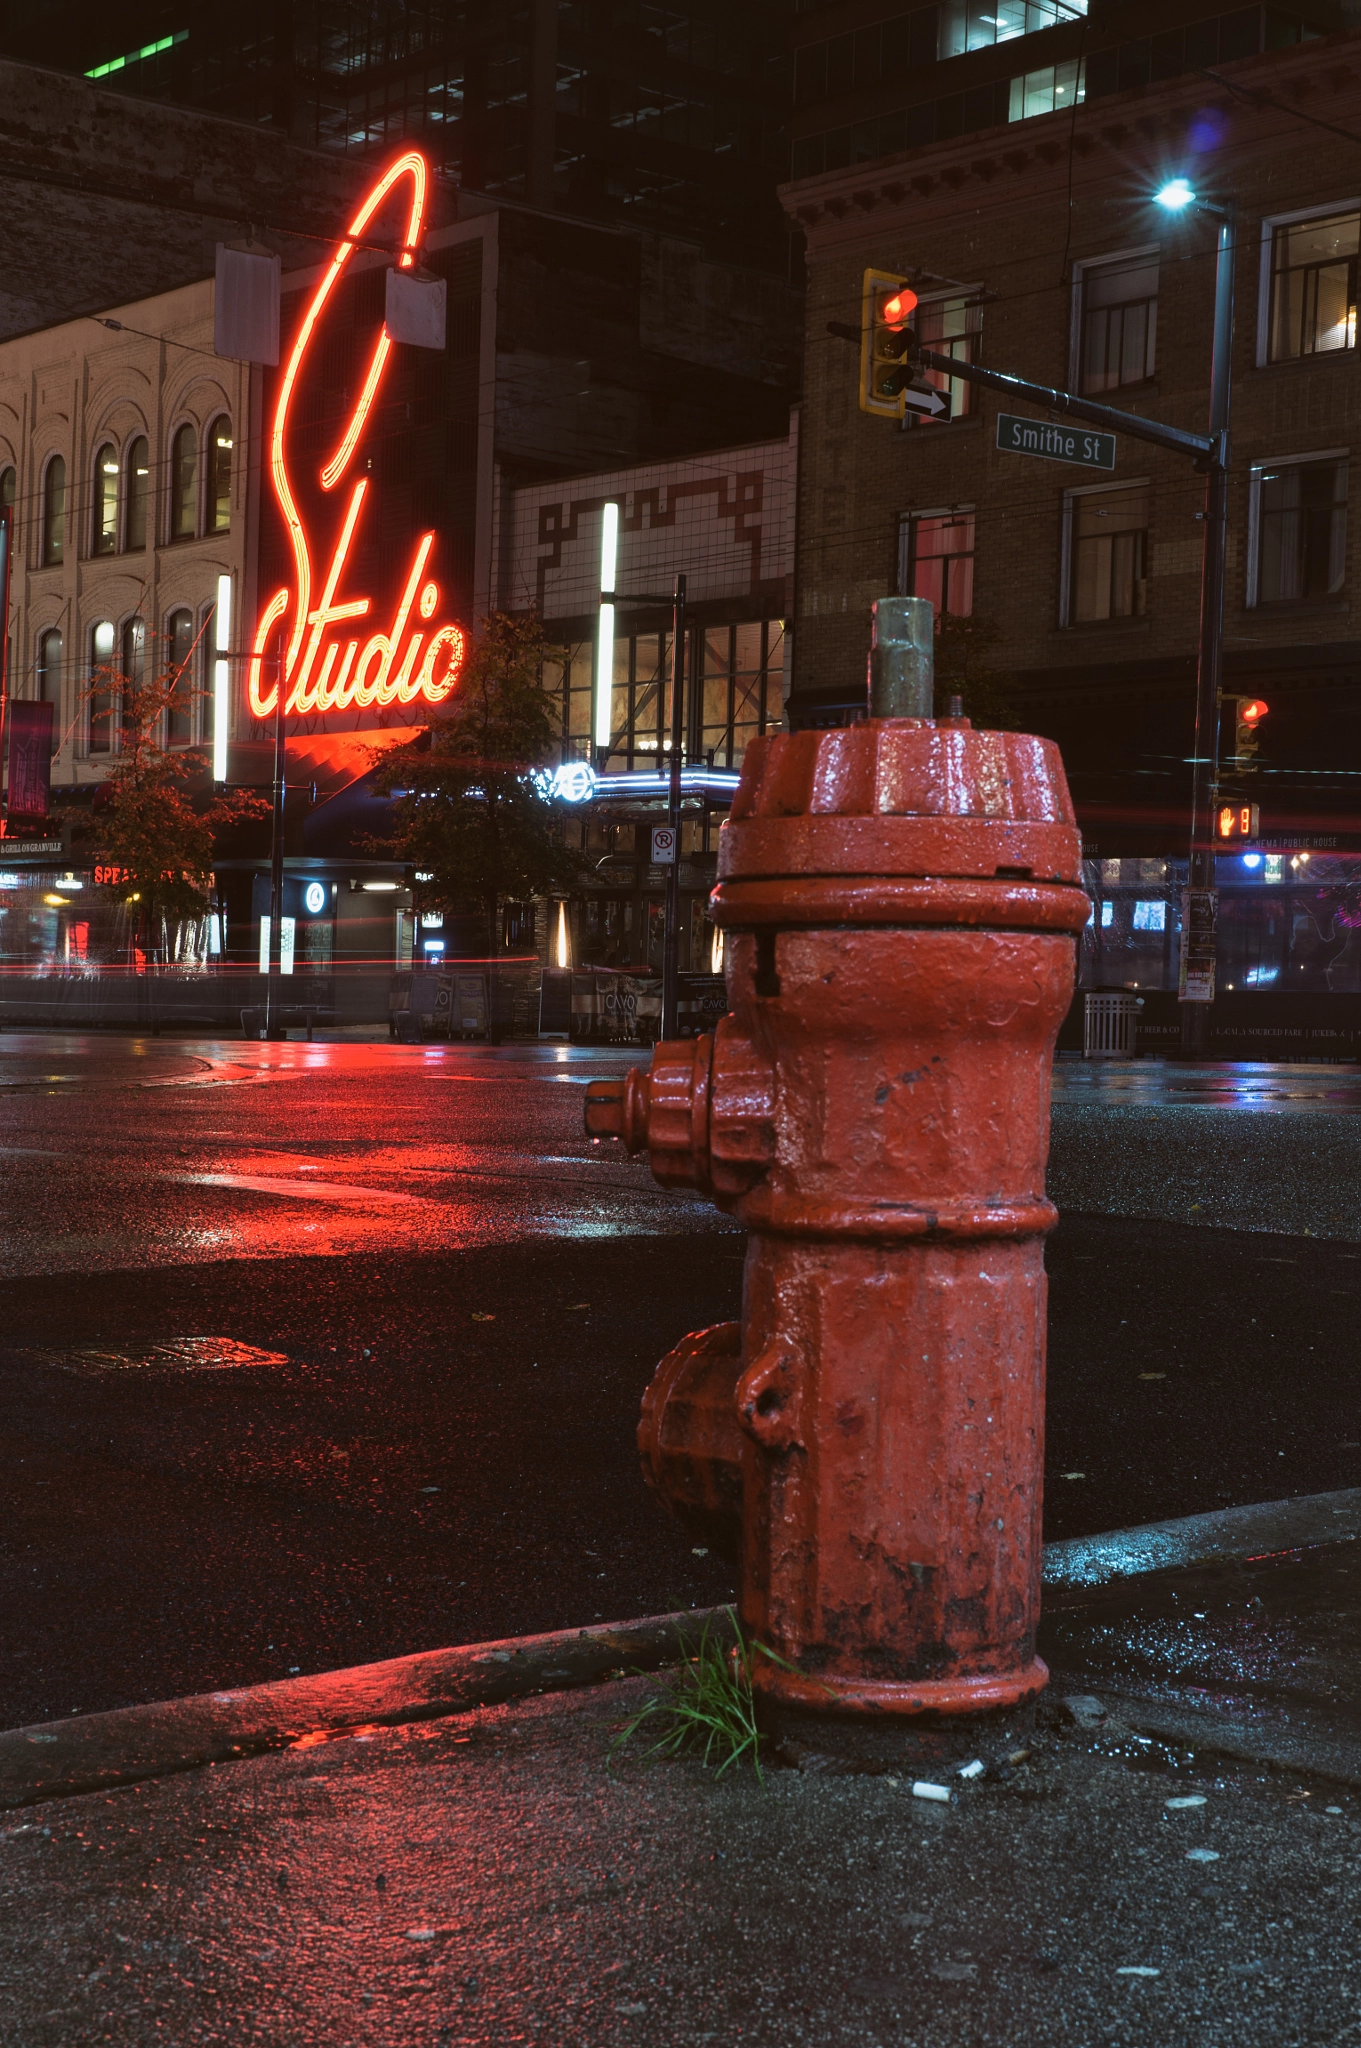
{"type": "Point", "coordinates": [899, 901]}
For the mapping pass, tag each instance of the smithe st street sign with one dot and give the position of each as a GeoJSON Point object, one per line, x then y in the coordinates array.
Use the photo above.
{"type": "Point", "coordinates": [1017, 436]}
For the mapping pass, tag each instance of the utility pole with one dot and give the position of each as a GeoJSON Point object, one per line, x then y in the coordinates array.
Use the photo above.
{"type": "Point", "coordinates": [276, 870]}
{"type": "Point", "coordinates": [671, 943]}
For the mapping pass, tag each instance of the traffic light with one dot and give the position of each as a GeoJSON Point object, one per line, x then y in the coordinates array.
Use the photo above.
{"type": "Point", "coordinates": [1236, 822]}
{"type": "Point", "coordinates": [888, 343]}
{"type": "Point", "coordinates": [1251, 712]}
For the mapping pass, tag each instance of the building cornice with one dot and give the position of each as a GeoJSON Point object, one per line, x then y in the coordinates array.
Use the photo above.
{"type": "Point", "coordinates": [1104, 139]}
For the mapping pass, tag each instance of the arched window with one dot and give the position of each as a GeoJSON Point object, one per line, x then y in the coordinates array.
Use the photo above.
{"type": "Point", "coordinates": [9, 484]}
{"type": "Point", "coordinates": [181, 716]}
{"type": "Point", "coordinates": [184, 484]}
{"type": "Point", "coordinates": [54, 511]}
{"type": "Point", "coordinates": [220, 475]}
{"type": "Point", "coordinates": [105, 539]}
{"type": "Point", "coordinates": [133, 664]}
{"type": "Point", "coordinates": [135, 494]}
{"type": "Point", "coordinates": [49, 679]}
{"type": "Point", "coordinates": [101, 693]}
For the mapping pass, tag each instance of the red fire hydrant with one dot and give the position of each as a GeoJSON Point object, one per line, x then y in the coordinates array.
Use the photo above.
{"type": "Point", "coordinates": [899, 900]}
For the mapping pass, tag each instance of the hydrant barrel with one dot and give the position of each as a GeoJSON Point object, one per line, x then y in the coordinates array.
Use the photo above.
{"type": "Point", "coordinates": [899, 901]}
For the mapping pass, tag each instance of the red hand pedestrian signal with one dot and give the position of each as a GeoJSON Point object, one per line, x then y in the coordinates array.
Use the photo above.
{"type": "Point", "coordinates": [1237, 821]}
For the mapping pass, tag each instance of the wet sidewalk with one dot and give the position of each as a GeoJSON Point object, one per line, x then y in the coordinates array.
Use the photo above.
{"type": "Point", "coordinates": [1170, 1855]}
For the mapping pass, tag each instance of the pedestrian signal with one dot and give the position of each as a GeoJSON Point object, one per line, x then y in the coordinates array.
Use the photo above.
{"type": "Point", "coordinates": [888, 343]}
{"type": "Point", "coordinates": [1237, 822]}
{"type": "Point", "coordinates": [1251, 712]}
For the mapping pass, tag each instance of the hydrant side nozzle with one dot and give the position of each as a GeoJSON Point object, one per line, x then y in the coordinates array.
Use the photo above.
{"type": "Point", "coordinates": [619, 1109]}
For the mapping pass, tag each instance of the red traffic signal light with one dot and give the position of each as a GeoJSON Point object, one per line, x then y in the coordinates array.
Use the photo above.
{"type": "Point", "coordinates": [1237, 821]}
{"type": "Point", "coordinates": [1252, 710]}
{"type": "Point", "coordinates": [898, 310]}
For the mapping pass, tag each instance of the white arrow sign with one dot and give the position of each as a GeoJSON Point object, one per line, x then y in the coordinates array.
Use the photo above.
{"type": "Point", "coordinates": [929, 401]}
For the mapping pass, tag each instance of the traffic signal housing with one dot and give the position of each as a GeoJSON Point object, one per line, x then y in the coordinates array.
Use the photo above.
{"type": "Point", "coordinates": [1251, 712]}
{"type": "Point", "coordinates": [1235, 823]}
{"type": "Point", "coordinates": [888, 343]}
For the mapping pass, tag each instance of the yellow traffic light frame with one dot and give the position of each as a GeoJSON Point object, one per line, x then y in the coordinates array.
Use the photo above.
{"type": "Point", "coordinates": [876, 287]}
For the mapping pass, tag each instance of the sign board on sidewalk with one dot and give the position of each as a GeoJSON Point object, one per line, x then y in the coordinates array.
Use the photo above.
{"type": "Point", "coordinates": [663, 845]}
{"type": "Point", "coordinates": [1082, 445]}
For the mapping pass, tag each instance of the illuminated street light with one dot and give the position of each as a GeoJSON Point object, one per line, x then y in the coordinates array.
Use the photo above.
{"type": "Point", "coordinates": [1174, 195]}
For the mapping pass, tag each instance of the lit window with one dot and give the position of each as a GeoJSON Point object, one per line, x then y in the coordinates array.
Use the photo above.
{"type": "Point", "coordinates": [135, 487]}
{"type": "Point", "coordinates": [1150, 916]}
{"type": "Point", "coordinates": [1108, 563]}
{"type": "Point", "coordinates": [978, 24]}
{"type": "Point", "coordinates": [180, 711]}
{"type": "Point", "coordinates": [220, 475]}
{"type": "Point", "coordinates": [101, 691]}
{"type": "Point", "coordinates": [949, 327]}
{"type": "Point", "coordinates": [1301, 530]}
{"type": "Point", "coordinates": [936, 559]}
{"type": "Point", "coordinates": [1107, 916]}
{"type": "Point", "coordinates": [1048, 91]}
{"type": "Point", "coordinates": [1119, 322]}
{"type": "Point", "coordinates": [105, 537]}
{"type": "Point", "coordinates": [1313, 286]}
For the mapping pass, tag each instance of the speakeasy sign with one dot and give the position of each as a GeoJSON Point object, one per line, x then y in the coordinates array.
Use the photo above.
{"type": "Point", "coordinates": [328, 662]}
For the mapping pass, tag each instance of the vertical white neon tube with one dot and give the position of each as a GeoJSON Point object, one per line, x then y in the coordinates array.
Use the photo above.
{"type": "Point", "coordinates": [604, 645]}
{"type": "Point", "coordinates": [222, 640]}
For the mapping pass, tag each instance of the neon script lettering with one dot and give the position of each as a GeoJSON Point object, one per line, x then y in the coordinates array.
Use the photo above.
{"type": "Point", "coordinates": [322, 672]}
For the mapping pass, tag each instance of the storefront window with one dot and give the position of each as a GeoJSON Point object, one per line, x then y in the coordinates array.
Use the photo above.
{"type": "Point", "coordinates": [741, 689]}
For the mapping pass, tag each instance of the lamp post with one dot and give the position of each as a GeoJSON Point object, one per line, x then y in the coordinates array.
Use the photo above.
{"type": "Point", "coordinates": [1197, 977]}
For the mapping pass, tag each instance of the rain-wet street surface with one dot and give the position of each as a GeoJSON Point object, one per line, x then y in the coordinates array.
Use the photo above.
{"type": "Point", "coordinates": [318, 1354]}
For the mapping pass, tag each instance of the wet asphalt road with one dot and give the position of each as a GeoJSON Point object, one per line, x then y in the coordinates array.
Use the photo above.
{"type": "Point", "coordinates": [445, 1305]}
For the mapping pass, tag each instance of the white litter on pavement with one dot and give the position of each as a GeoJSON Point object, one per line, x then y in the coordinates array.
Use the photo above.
{"type": "Point", "coordinates": [1191, 1799]}
{"type": "Point", "coordinates": [1137, 1970]}
{"type": "Point", "coordinates": [973, 1770]}
{"type": "Point", "coordinates": [1202, 1855]}
{"type": "Point", "coordinates": [921, 1790]}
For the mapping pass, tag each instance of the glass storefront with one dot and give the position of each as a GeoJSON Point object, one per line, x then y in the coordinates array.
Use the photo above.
{"type": "Point", "coordinates": [1289, 923]}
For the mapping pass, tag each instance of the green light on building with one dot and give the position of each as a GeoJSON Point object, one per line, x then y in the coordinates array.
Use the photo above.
{"type": "Point", "coordinates": [181, 35]}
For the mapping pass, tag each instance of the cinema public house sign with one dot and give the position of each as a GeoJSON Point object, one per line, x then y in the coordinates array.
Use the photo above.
{"type": "Point", "coordinates": [329, 661]}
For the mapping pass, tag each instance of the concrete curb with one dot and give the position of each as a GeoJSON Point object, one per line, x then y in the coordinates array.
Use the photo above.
{"type": "Point", "coordinates": [95, 1752]}
{"type": "Point", "coordinates": [1083, 1566]}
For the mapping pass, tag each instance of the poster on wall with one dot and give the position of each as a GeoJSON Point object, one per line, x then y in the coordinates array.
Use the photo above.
{"type": "Point", "coordinates": [30, 758]}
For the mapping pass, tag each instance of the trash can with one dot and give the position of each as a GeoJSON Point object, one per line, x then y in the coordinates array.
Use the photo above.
{"type": "Point", "coordinates": [1110, 1022]}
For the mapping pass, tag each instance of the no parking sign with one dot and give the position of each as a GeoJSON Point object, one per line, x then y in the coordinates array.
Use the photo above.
{"type": "Point", "coordinates": [663, 845]}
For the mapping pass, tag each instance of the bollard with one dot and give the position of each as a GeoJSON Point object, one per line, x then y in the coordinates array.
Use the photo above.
{"type": "Point", "coordinates": [899, 901]}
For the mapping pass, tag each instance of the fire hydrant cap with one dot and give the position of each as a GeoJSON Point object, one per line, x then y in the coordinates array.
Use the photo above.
{"type": "Point", "coordinates": [906, 797]}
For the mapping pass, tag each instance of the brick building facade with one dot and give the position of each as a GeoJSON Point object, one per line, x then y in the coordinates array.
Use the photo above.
{"type": "Point", "coordinates": [1035, 247]}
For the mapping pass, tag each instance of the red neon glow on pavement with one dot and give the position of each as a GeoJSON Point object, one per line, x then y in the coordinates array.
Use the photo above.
{"type": "Point", "coordinates": [323, 673]}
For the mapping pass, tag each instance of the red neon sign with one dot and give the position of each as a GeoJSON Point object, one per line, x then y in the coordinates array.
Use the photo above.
{"type": "Point", "coordinates": [322, 672]}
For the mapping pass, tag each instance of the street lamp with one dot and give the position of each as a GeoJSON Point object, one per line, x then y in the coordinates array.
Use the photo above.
{"type": "Point", "coordinates": [1198, 925]}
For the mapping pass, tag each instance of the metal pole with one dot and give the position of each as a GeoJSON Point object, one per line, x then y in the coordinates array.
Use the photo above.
{"type": "Point", "coordinates": [276, 868]}
{"type": "Point", "coordinates": [1195, 1016]}
{"type": "Point", "coordinates": [671, 955]}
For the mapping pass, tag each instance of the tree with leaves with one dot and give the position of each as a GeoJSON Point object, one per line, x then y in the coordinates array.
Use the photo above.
{"type": "Point", "coordinates": [965, 667]}
{"type": "Point", "coordinates": [146, 819]}
{"type": "Point", "coordinates": [471, 809]}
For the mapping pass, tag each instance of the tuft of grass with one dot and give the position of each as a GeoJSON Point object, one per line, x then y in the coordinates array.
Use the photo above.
{"type": "Point", "coordinates": [707, 1706]}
